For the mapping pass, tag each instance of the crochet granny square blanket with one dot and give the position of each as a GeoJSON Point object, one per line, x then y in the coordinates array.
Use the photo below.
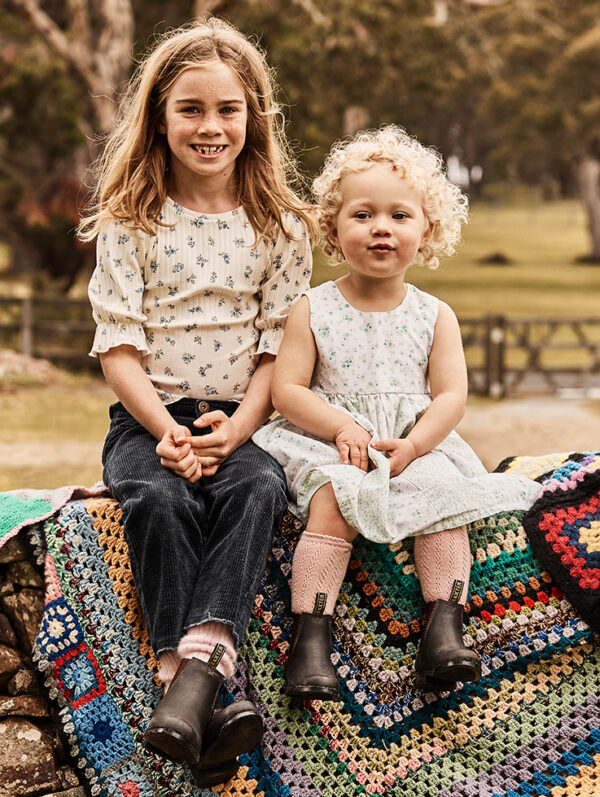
{"type": "Point", "coordinates": [531, 726]}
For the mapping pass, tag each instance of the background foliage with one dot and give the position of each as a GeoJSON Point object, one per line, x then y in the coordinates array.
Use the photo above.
{"type": "Point", "coordinates": [510, 88]}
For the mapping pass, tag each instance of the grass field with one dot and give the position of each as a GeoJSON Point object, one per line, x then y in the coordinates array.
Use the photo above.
{"type": "Point", "coordinates": [52, 436]}
{"type": "Point", "coordinates": [541, 240]}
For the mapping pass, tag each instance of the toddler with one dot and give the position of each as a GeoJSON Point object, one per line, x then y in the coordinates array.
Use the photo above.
{"type": "Point", "coordinates": [371, 382]}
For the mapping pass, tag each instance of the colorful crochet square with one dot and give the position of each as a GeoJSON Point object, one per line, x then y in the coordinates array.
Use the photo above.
{"type": "Point", "coordinates": [563, 528]}
{"type": "Point", "coordinates": [78, 676]}
{"type": "Point", "coordinates": [102, 734]}
{"type": "Point", "coordinates": [531, 726]}
{"type": "Point", "coordinates": [128, 778]}
{"type": "Point", "coordinates": [60, 630]}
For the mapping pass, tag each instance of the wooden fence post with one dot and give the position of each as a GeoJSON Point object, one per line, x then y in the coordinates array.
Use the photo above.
{"type": "Point", "coordinates": [495, 386]}
{"type": "Point", "coordinates": [27, 326]}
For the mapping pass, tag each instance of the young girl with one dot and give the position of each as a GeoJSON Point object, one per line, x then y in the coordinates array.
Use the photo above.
{"type": "Point", "coordinates": [371, 378]}
{"type": "Point", "coordinates": [202, 250]}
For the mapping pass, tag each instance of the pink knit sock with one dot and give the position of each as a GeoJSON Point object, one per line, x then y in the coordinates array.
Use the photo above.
{"type": "Point", "coordinates": [200, 642]}
{"type": "Point", "coordinates": [319, 566]}
{"type": "Point", "coordinates": [168, 662]}
{"type": "Point", "coordinates": [441, 559]}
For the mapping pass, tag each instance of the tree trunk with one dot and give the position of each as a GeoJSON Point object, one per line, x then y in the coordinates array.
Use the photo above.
{"type": "Point", "coordinates": [206, 8]}
{"type": "Point", "coordinates": [588, 178]}
{"type": "Point", "coordinates": [356, 117]}
{"type": "Point", "coordinates": [99, 53]}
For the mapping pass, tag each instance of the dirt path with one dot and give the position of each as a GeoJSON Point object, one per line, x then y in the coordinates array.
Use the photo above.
{"type": "Point", "coordinates": [71, 452]}
{"type": "Point", "coordinates": [495, 430]}
{"type": "Point", "coordinates": [537, 425]}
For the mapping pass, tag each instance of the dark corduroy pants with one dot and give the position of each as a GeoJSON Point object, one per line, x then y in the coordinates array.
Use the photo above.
{"type": "Point", "coordinates": [198, 551]}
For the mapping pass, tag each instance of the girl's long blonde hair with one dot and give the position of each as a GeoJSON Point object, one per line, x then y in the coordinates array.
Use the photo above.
{"type": "Point", "coordinates": [131, 174]}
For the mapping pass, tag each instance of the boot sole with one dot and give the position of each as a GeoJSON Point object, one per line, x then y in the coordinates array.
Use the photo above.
{"type": "Point", "coordinates": [466, 673]}
{"type": "Point", "coordinates": [313, 692]}
{"type": "Point", "coordinates": [458, 672]}
{"type": "Point", "coordinates": [429, 684]}
{"type": "Point", "coordinates": [215, 775]}
{"type": "Point", "coordinates": [238, 735]}
{"type": "Point", "coordinates": [168, 743]}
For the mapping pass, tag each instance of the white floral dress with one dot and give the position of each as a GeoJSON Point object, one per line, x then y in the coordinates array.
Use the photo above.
{"type": "Point", "coordinates": [373, 365]}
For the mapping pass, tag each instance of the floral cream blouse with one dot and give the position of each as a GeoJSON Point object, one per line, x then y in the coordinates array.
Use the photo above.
{"type": "Point", "coordinates": [200, 300]}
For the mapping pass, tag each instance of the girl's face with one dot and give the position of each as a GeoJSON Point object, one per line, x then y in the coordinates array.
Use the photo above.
{"type": "Point", "coordinates": [381, 224]}
{"type": "Point", "coordinates": [205, 124]}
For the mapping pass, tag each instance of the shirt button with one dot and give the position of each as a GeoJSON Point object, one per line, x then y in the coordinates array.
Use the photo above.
{"type": "Point", "coordinates": [203, 406]}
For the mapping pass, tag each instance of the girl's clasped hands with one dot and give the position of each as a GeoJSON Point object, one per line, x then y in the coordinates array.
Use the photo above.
{"type": "Point", "coordinates": [193, 456]}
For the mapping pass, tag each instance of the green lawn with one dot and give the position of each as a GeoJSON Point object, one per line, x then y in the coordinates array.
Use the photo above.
{"type": "Point", "coordinates": [542, 241]}
{"type": "Point", "coordinates": [52, 436]}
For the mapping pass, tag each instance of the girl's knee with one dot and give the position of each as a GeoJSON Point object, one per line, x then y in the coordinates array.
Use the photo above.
{"type": "Point", "coordinates": [163, 486]}
{"type": "Point", "coordinates": [159, 502]}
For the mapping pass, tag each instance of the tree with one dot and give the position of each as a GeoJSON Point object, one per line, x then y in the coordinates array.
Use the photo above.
{"type": "Point", "coordinates": [60, 71]}
{"type": "Point", "coordinates": [348, 64]}
{"type": "Point", "coordinates": [577, 83]}
{"type": "Point", "coordinates": [509, 85]}
{"type": "Point", "coordinates": [334, 61]}
{"type": "Point", "coordinates": [533, 84]}
{"type": "Point", "coordinates": [95, 41]}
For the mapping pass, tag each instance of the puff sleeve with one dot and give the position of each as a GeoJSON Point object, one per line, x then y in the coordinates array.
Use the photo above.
{"type": "Point", "coordinates": [287, 278]}
{"type": "Point", "coordinates": [116, 289]}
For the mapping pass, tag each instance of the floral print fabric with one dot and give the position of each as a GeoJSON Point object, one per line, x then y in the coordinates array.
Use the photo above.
{"type": "Point", "coordinates": [373, 365]}
{"type": "Point", "coordinates": [200, 299]}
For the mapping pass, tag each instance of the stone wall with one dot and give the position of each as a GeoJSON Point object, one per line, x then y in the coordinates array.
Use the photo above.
{"type": "Point", "coordinates": [33, 762]}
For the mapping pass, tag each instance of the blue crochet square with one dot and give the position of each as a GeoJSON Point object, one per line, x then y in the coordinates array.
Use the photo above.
{"type": "Point", "coordinates": [59, 631]}
{"type": "Point", "coordinates": [102, 735]}
{"type": "Point", "coordinates": [130, 776]}
{"type": "Point", "coordinates": [78, 676]}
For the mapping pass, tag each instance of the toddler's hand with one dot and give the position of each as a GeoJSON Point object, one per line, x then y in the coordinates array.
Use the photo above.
{"type": "Point", "coordinates": [176, 453]}
{"type": "Point", "coordinates": [213, 448]}
{"type": "Point", "coordinates": [401, 453]}
{"type": "Point", "coordinates": [352, 441]}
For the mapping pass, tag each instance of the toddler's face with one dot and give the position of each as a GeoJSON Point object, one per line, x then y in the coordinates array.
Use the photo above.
{"type": "Point", "coordinates": [381, 224]}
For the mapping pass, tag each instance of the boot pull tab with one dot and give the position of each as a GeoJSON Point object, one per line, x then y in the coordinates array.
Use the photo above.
{"type": "Point", "coordinates": [216, 655]}
{"type": "Point", "coordinates": [320, 603]}
{"type": "Point", "coordinates": [456, 592]}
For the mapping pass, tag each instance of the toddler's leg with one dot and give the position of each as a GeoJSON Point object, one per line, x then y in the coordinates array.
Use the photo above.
{"type": "Point", "coordinates": [441, 559]}
{"type": "Point", "coordinates": [318, 569]}
{"type": "Point", "coordinates": [443, 563]}
{"type": "Point", "coordinates": [322, 554]}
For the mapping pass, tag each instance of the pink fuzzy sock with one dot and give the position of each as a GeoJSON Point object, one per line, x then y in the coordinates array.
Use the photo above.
{"type": "Point", "coordinates": [200, 642]}
{"type": "Point", "coordinates": [319, 566]}
{"type": "Point", "coordinates": [441, 558]}
{"type": "Point", "coordinates": [168, 662]}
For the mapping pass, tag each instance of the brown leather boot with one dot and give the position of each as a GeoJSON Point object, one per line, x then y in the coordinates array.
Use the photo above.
{"type": "Point", "coordinates": [309, 672]}
{"type": "Point", "coordinates": [442, 658]}
{"type": "Point", "coordinates": [233, 730]}
{"type": "Point", "coordinates": [178, 722]}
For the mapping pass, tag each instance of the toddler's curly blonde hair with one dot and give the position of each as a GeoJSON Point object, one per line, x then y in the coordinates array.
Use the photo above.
{"type": "Point", "coordinates": [444, 204]}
